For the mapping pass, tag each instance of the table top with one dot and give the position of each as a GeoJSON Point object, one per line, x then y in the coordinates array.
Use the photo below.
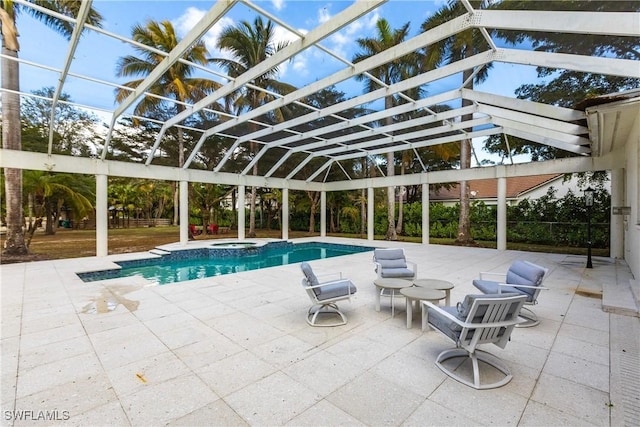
{"type": "Point", "coordinates": [393, 283]}
{"type": "Point", "coordinates": [433, 284]}
{"type": "Point", "coordinates": [417, 292]}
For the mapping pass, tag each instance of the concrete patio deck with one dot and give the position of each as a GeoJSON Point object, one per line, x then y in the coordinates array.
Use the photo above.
{"type": "Point", "coordinates": [235, 350]}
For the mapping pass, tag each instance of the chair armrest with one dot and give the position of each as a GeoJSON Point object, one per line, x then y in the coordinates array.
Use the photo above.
{"type": "Point", "coordinates": [428, 304]}
{"type": "Point", "coordinates": [331, 282]}
{"type": "Point", "coordinates": [484, 274]}
{"type": "Point", "coordinates": [378, 269]}
{"type": "Point", "coordinates": [512, 285]}
{"type": "Point", "coordinates": [415, 268]}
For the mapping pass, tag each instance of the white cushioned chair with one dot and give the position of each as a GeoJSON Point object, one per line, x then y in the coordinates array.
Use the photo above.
{"type": "Point", "coordinates": [523, 278]}
{"type": "Point", "coordinates": [393, 264]}
{"type": "Point", "coordinates": [479, 319]}
{"type": "Point", "coordinates": [324, 296]}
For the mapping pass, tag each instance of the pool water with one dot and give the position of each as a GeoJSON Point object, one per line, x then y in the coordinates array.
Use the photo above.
{"type": "Point", "coordinates": [198, 264]}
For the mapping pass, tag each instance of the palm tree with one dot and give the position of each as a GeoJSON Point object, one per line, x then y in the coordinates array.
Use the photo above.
{"type": "Point", "coordinates": [176, 83]}
{"type": "Point", "coordinates": [15, 243]}
{"type": "Point", "coordinates": [451, 49]}
{"type": "Point", "coordinates": [389, 73]}
{"type": "Point", "coordinates": [249, 44]}
{"type": "Point", "coordinates": [49, 191]}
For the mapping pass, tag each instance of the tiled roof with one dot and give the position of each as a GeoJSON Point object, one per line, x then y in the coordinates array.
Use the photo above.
{"type": "Point", "coordinates": [488, 188]}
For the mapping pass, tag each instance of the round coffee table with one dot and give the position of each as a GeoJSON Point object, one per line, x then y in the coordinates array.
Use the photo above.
{"type": "Point", "coordinates": [393, 285]}
{"type": "Point", "coordinates": [417, 293]}
{"type": "Point", "coordinates": [441, 285]}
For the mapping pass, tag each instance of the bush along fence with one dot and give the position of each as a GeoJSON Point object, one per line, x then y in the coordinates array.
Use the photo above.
{"type": "Point", "coordinates": [544, 221]}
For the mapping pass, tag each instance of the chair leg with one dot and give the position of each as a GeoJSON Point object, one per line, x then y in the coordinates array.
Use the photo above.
{"type": "Point", "coordinates": [530, 317]}
{"type": "Point", "coordinates": [316, 310]}
{"type": "Point", "coordinates": [476, 356]}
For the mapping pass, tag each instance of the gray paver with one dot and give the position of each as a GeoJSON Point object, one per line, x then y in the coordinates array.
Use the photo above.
{"type": "Point", "coordinates": [235, 350]}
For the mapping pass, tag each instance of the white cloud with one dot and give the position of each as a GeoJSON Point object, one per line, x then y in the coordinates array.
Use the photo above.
{"type": "Point", "coordinates": [278, 4]}
{"type": "Point", "coordinates": [342, 42]}
{"type": "Point", "coordinates": [185, 22]}
{"type": "Point", "coordinates": [323, 15]}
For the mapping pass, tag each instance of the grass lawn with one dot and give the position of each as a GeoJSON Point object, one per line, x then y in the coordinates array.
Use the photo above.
{"type": "Point", "coordinates": [68, 243]}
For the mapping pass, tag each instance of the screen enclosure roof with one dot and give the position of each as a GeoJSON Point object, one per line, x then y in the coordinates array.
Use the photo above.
{"type": "Point", "coordinates": [288, 136]}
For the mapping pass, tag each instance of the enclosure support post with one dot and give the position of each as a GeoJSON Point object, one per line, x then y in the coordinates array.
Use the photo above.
{"type": "Point", "coordinates": [501, 230]}
{"type": "Point", "coordinates": [285, 213]}
{"type": "Point", "coordinates": [184, 212]}
{"type": "Point", "coordinates": [425, 213]}
{"type": "Point", "coordinates": [241, 211]}
{"type": "Point", "coordinates": [102, 218]}
{"type": "Point", "coordinates": [617, 221]}
{"type": "Point", "coordinates": [323, 214]}
{"type": "Point", "coordinates": [370, 213]}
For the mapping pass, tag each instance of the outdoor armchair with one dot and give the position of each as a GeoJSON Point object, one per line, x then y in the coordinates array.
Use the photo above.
{"type": "Point", "coordinates": [325, 295]}
{"type": "Point", "coordinates": [479, 319]}
{"type": "Point", "coordinates": [393, 264]}
{"type": "Point", "coordinates": [524, 278]}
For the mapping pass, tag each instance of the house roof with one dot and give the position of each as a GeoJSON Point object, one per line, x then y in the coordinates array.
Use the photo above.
{"type": "Point", "coordinates": [488, 188]}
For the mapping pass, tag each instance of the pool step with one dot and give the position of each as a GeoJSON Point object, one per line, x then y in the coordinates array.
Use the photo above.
{"type": "Point", "coordinates": [160, 252]}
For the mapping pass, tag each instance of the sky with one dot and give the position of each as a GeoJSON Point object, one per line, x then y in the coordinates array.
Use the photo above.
{"type": "Point", "coordinates": [96, 55]}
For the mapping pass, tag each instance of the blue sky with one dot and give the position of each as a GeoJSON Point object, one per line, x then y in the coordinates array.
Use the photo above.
{"type": "Point", "coordinates": [96, 55]}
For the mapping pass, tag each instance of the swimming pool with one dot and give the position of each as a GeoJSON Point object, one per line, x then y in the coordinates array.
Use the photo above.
{"type": "Point", "coordinates": [216, 260]}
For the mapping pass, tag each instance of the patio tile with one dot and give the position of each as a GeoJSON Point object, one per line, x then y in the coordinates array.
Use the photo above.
{"type": "Point", "coordinates": [375, 401]}
{"type": "Point", "coordinates": [542, 336]}
{"type": "Point", "coordinates": [50, 320]}
{"type": "Point", "coordinates": [118, 347]}
{"type": "Point", "coordinates": [361, 351]}
{"type": "Point", "coordinates": [410, 372]}
{"type": "Point", "coordinates": [161, 403]}
{"type": "Point", "coordinates": [593, 336]}
{"type": "Point", "coordinates": [244, 330]}
{"type": "Point", "coordinates": [284, 351]}
{"type": "Point", "coordinates": [110, 414]}
{"type": "Point", "coordinates": [323, 372]}
{"type": "Point", "coordinates": [573, 399]}
{"type": "Point", "coordinates": [154, 308]}
{"type": "Point", "coordinates": [206, 352]}
{"type": "Point", "coordinates": [584, 350]}
{"type": "Point", "coordinates": [217, 413]}
{"type": "Point", "coordinates": [57, 373]}
{"type": "Point", "coordinates": [537, 414]}
{"type": "Point", "coordinates": [215, 309]}
{"type": "Point", "coordinates": [587, 312]}
{"type": "Point", "coordinates": [273, 400]}
{"type": "Point", "coordinates": [576, 369]}
{"type": "Point", "coordinates": [393, 334]}
{"type": "Point", "coordinates": [433, 414]}
{"type": "Point", "coordinates": [324, 413]}
{"type": "Point", "coordinates": [146, 372]}
{"type": "Point", "coordinates": [51, 336]}
{"type": "Point", "coordinates": [47, 353]}
{"type": "Point", "coordinates": [94, 323]}
{"type": "Point", "coordinates": [76, 395]}
{"type": "Point", "coordinates": [536, 357]}
{"type": "Point", "coordinates": [234, 372]}
{"type": "Point", "coordinates": [494, 406]}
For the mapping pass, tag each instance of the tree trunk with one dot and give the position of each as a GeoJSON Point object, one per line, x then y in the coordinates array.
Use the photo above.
{"type": "Point", "coordinates": [313, 197]}
{"type": "Point", "coordinates": [11, 139]}
{"type": "Point", "coordinates": [391, 197]}
{"type": "Point", "coordinates": [234, 211]}
{"type": "Point", "coordinates": [464, 221]}
{"type": "Point", "coordinates": [252, 210]}
{"type": "Point", "coordinates": [363, 211]}
{"type": "Point", "coordinates": [401, 202]}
